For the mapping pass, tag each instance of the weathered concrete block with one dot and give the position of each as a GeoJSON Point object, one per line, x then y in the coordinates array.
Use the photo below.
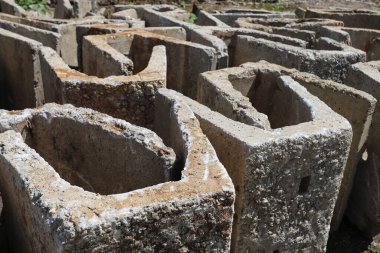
{"type": "Point", "coordinates": [216, 86]}
{"type": "Point", "coordinates": [102, 60]}
{"type": "Point", "coordinates": [366, 77]}
{"type": "Point", "coordinates": [256, 24]}
{"type": "Point", "coordinates": [305, 29]}
{"type": "Point", "coordinates": [12, 8]}
{"type": "Point", "coordinates": [116, 216]}
{"type": "Point", "coordinates": [229, 17]}
{"type": "Point", "coordinates": [351, 18]}
{"type": "Point", "coordinates": [97, 29]}
{"type": "Point", "coordinates": [231, 33]}
{"type": "Point", "coordinates": [20, 77]}
{"type": "Point", "coordinates": [286, 179]}
{"type": "Point", "coordinates": [65, 29]}
{"type": "Point", "coordinates": [227, 100]}
{"type": "Point", "coordinates": [64, 10]}
{"type": "Point", "coordinates": [47, 38]}
{"type": "Point", "coordinates": [182, 73]}
{"type": "Point", "coordinates": [327, 64]}
{"type": "Point", "coordinates": [206, 19]}
{"type": "Point", "coordinates": [374, 51]}
{"type": "Point", "coordinates": [67, 9]}
{"type": "Point", "coordinates": [363, 39]}
{"type": "Point", "coordinates": [126, 97]}
{"type": "Point", "coordinates": [130, 17]}
{"type": "Point", "coordinates": [364, 201]}
{"type": "Point", "coordinates": [160, 16]}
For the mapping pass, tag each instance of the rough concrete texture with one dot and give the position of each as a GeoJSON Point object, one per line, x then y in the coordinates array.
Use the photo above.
{"type": "Point", "coordinates": [129, 16]}
{"type": "Point", "coordinates": [286, 179]}
{"type": "Point", "coordinates": [20, 71]}
{"type": "Point", "coordinates": [67, 9]}
{"type": "Point", "coordinates": [67, 45]}
{"type": "Point", "coordinates": [325, 63]}
{"type": "Point", "coordinates": [10, 7]}
{"type": "Point", "coordinates": [374, 51]}
{"type": "Point", "coordinates": [158, 16]}
{"type": "Point", "coordinates": [126, 97]}
{"type": "Point", "coordinates": [304, 29]}
{"type": "Point", "coordinates": [351, 18]}
{"type": "Point", "coordinates": [229, 17]}
{"type": "Point", "coordinates": [206, 19]}
{"type": "Point", "coordinates": [180, 56]}
{"type": "Point", "coordinates": [63, 217]}
{"type": "Point", "coordinates": [256, 24]}
{"type": "Point", "coordinates": [47, 38]}
{"type": "Point", "coordinates": [364, 202]}
{"type": "Point", "coordinates": [216, 86]}
{"type": "Point", "coordinates": [97, 29]}
{"type": "Point", "coordinates": [280, 132]}
{"type": "Point", "coordinates": [64, 10]}
{"type": "Point", "coordinates": [101, 59]}
{"type": "Point", "coordinates": [363, 39]}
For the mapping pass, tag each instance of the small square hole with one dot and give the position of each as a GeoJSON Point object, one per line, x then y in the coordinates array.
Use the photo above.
{"type": "Point", "coordinates": [276, 251]}
{"type": "Point", "coordinates": [304, 185]}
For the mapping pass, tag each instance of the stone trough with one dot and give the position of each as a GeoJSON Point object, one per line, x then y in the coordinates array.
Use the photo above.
{"type": "Point", "coordinates": [286, 175]}
{"type": "Point", "coordinates": [73, 179]}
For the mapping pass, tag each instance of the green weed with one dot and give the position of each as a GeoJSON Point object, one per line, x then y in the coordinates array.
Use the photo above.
{"type": "Point", "coordinates": [193, 18]}
{"type": "Point", "coordinates": [35, 5]}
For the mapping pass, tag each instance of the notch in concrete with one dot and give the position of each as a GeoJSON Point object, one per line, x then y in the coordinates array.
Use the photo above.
{"type": "Point", "coordinates": [304, 186]}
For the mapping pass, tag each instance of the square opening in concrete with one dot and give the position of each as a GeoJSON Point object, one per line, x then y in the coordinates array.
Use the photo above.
{"type": "Point", "coordinates": [304, 186]}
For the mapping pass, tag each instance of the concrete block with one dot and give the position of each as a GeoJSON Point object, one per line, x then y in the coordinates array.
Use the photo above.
{"type": "Point", "coordinates": [230, 18]}
{"type": "Point", "coordinates": [126, 97]}
{"type": "Point", "coordinates": [306, 35]}
{"type": "Point", "coordinates": [20, 77]}
{"type": "Point", "coordinates": [299, 28]}
{"type": "Point", "coordinates": [64, 10]}
{"type": "Point", "coordinates": [140, 200]}
{"type": "Point", "coordinates": [181, 56]}
{"type": "Point", "coordinates": [362, 38]}
{"type": "Point", "coordinates": [343, 99]}
{"type": "Point", "coordinates": [206, 19]}
{"type": "Point", "coordinates": [68, 41]}
{"type": "Point", "coordinates": [47, 38]}
{"type": "Point", "coordinates": [10, 7]}
{"type": "Point", "coordinates": [364, 201]}
{"type": "Point", "coordinates": [67, 9]}
{"type": "Point", "coordinates": [374, 50]}
{"type": "Point", "coordinates": [286, 179]}
{"type": "Point", "coordinates": [351, 18]}
{"type": "Point", "coordinates": [102, 60]}
{"type": "Point", "coordinates": [327, 64]}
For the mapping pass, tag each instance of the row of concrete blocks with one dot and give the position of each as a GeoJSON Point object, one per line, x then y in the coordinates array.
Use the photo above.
{"type": "Point", "coordinates": [69, 84]}
{"type": "Point", "coordinates": [182, 73]}
{"type": "Point", "coordinates": [248, 152]}
{"type": "Point", "coordinates": [223, 39]}
{"type": "Point", "coordinates": [329, 29]}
